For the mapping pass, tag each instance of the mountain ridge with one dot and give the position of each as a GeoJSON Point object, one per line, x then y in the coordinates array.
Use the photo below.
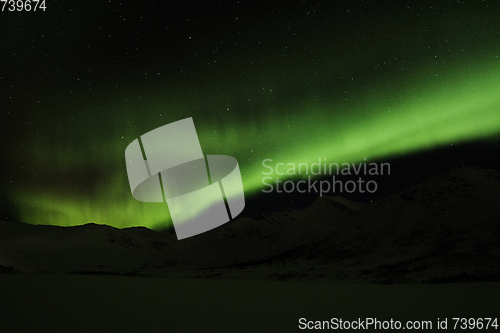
{"type": "Point", "coordinates": [442, 229]}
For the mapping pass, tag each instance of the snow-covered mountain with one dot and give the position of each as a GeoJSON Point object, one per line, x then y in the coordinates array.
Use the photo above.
{"type": "Point", "coordinates": [444, 229]}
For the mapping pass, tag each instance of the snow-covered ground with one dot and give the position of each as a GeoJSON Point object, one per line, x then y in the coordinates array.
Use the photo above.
{"type": "Point", "coordinates": [80, 303]}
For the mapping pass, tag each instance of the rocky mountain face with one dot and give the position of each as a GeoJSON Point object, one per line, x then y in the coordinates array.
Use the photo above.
{"type": "Point", "coordinates": [445, 229]}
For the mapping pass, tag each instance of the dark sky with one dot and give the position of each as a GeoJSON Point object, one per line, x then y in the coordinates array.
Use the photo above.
{"type": "Point", "coordinates": [414, 83]}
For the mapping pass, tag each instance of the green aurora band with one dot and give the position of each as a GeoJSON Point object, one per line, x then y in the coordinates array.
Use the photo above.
{"type": "Point", "coordinates": [383, 120]}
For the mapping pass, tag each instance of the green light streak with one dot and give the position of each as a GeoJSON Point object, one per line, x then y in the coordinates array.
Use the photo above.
{"type": "Point", "coordinates": [436, 116]}
{"type": "Point", "coordinates": [443, 109]}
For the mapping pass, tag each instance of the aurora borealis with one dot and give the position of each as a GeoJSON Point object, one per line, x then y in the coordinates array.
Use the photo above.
{"type": "Point", "coordinates": [287, 81]}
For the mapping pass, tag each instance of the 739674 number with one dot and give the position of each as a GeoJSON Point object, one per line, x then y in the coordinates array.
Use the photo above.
{"type": "Point", "coordinates": [23, 5]}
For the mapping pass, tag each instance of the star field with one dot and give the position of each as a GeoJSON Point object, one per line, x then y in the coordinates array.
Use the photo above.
{"type": "Point", "coordinates": [290, 81]}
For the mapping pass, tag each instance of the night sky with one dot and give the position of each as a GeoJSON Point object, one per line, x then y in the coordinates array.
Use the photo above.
{"type": "Point", "coordinates": [413, 83]}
